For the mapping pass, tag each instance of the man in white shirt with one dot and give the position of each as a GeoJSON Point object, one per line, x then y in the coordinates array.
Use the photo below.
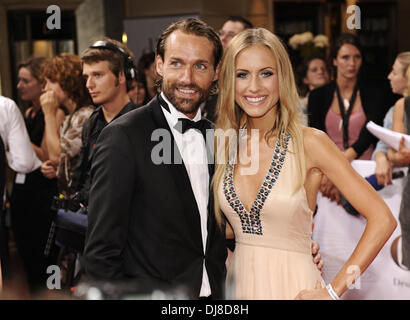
{"type": "Point", "coordinates": [20, 154]}
{"type": "Point", "coordinates": [149, 220]}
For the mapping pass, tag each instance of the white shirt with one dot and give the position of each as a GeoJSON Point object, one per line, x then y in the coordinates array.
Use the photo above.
{"type": "Point", "coordinates": [20, 156]}
{"type": "Point", "coordinates": [192, 147]}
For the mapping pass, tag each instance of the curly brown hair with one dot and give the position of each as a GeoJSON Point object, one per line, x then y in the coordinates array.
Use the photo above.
{"type": "Point", "coordinates": [66, 69]}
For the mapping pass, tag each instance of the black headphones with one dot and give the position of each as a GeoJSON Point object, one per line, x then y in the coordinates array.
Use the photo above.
{"type": "Point", "coordinates": [129, 67]}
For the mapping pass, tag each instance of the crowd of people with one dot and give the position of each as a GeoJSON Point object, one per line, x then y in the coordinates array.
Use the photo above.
{"type": "Point", "coordinates": [90, 135]}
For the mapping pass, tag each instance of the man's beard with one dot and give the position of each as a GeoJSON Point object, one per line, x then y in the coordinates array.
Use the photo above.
{"type": "Point", "coordinates": [186, 106]}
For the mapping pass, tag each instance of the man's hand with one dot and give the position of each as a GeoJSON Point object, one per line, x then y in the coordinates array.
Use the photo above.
{"type": "Point", "coordinates": [316, 256]}
{"type": "Point", "coordinates": [328, 189]}
{"type": "Point", "coordinates": [326, 186]}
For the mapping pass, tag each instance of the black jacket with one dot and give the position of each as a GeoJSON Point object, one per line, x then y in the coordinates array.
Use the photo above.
{"type": "Point", "coordinates": [144, 222]}
{"type": "Point", "coordinates": [92, 128]}
{"type": "Point", "coordinates": [376, 101]}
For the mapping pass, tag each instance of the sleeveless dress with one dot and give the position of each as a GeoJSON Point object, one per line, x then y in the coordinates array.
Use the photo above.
{"type": "Point", "coordinates": [272, 257]}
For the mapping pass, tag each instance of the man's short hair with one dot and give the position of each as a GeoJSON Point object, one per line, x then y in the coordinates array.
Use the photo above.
{"type": "Point", "coordinates": [116, 61]}
{"type": "Point", "coordinates": [246, 23]}
{"type": "Point", "coordinates": [195, 27]}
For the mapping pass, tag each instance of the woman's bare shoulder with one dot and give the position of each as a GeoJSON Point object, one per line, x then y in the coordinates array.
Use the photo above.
{"type": "Point", "coordinates": [313, 137]}
{"type": "Point", "coordinates": [399, 103]}
{"type": "Point", "coordinates": [318, 146]}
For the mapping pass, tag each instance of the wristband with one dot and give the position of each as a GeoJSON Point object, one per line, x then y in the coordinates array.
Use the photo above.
{"type": "Point", "coordinates": [332, 292]}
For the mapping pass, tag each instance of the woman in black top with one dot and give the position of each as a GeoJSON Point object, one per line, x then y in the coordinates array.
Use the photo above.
{"type": "Point", "coordinates": [33, 194]}
{"type": "Point", "coordinates": [344, 100]}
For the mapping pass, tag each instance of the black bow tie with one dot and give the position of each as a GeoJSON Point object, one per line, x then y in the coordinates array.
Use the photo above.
{"type": "Point", "coordinates": [185, 124]}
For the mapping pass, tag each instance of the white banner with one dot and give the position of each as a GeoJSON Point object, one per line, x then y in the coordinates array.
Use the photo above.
{"type": "Point", "coordinates": [338, 233]}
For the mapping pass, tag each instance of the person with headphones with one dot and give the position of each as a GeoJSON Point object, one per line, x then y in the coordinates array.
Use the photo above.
{"type": "Point", "coordinates": [108, 68]}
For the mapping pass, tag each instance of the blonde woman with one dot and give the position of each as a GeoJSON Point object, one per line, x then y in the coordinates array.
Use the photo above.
{"type": "Point", "coordinates": [269, 210]}
{"type": "Point", "coordinates": [399, 83]}
{"type": "Point", "coordinates": [401, 157]}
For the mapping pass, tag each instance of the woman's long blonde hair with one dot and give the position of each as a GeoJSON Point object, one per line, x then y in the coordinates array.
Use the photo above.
{"type": "Point", "coordinates": [230, 116]}
{"type": "Point", "coordinates": [404, 59]}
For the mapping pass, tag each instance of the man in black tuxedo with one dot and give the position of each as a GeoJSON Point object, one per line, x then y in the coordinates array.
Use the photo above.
{"type": "Point", "coordinates": [151, 211]}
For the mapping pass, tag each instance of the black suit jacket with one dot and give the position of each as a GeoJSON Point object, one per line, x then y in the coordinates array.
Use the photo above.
{"type": "Point", "coordinates": [144, 223]}
{"type": "Point", "coordinates": [376, 101]}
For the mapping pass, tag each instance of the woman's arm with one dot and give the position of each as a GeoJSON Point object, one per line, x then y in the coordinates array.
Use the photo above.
{"type": "Point", "coordinates": [400, 157]}
{"type": "Point", "coordinates": [53, 118]}
{"type": "Point", "coordinates": [323, 154]}
{"type": "Point", "coordinates": [384, 168]}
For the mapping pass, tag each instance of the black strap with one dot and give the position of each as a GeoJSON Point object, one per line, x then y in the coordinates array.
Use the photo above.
{"type": "Point", "coordinates": [346, 116]}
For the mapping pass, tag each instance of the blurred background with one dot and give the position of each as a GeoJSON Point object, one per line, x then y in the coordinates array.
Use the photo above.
{"type": "Point", "coordinates": [24, 33]}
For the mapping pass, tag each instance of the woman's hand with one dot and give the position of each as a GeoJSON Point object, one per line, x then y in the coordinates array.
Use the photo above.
{"type": "Point", "coordinates": [48, 170]}
{"type": "Point", "coordinates": [403, 154]}
{"type": "Point", "coordinates": [384, 169]}
{"type": "Point", "coordinates": [318, 293]}
{"type": "Point", "coordinates": [49, 102]}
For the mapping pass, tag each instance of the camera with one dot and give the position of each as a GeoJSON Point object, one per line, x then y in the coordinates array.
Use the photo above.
{"type": "Point", "coordinates": [72, 203]}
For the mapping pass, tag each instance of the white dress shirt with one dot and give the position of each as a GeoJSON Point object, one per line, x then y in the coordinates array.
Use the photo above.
{"type": "Point", "coordinates": [20, 156]}
{"type": "Point", "coordinates": [191, 145]}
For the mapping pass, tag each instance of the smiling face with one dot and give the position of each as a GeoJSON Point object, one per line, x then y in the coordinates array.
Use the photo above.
{"type": "Point", "coordinates": [348, 61]}
{"type": "Point", "coordinates": [187, 71]}
{"type": "Point", "coordinates": [397, 79]}
{"type": "Point", "coordinates": [256, 82]}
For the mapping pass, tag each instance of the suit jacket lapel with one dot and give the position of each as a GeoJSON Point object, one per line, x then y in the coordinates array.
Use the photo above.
{"type": "Point", "coordinates": [180, 176]}
{"type": "Point", "coordinates": [211, 169]}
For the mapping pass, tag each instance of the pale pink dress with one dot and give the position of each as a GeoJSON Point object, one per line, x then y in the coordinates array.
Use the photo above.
{"type": "Point", "coordinates": [335, 131]}
{"type": "Point", "coordinates": [272, 257]}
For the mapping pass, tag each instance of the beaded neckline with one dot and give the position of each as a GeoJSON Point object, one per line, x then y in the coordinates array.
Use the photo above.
{"type": "Point", "coordinates": [250, 221]}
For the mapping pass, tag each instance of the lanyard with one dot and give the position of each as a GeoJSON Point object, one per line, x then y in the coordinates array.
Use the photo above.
{"type": "Point", "coordinates": [346, 115]}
